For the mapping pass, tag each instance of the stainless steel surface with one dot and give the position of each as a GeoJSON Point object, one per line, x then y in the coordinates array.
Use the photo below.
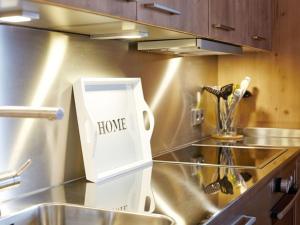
{"type": "Point", "coordinates": [286, 185]}
{"type": "Point", "coordinates": [39, 67]}
{"type": "Point", "coordinates": [23, 167]}
{"type": "Point", "coordinates": [168, 189]}
{"type": "Point", "coordinates": [223, 27]}
{"type": "Point", "coordinates": [253, 142]}
{"type": "Point", "coordinates": [261, 132]}
{"type": "Point", "coordinates": [283, 185]}
{"type": "Point", "coordinates": [254, 158]}
{"type": "Point", "coordinates": [9, 180]}
{"type": "Point", "coordinates": [245, 220]}
{"type": "Point", "coordinates": [163, 8]}
{"type": "Point", "coordinates": [121, 35]}
{"type": "Point", "coordinates": [177, 192]}
{"type": "Point", "coordinates": [189, 47]}
{"type": "Point", "coordinates": [12, 178]}
{"type": "Point", "coordinates": [50, 113]}
{"type": "Point", "coordinates": [67, 214]}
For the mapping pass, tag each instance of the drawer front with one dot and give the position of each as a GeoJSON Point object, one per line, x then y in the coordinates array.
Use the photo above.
{"type": "Point", "coordinates": [189, 15]}
{"type": "Point", "coordinates": [260, 24]}
{"type": "Point", "coordinates": [228, 20]}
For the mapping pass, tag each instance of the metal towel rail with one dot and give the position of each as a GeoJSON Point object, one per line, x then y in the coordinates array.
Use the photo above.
{"type": "Point", "coordinates": [51, 113]}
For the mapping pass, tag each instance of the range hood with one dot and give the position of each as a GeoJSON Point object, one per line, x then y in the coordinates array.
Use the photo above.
{"type": "Point", "coordinates": [189, 47]}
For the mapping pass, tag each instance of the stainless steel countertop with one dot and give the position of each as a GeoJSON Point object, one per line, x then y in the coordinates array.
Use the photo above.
{"type": "Point", "coordinates": [171, 189]}
{"type": "Point", "coordinates": [254, 142]}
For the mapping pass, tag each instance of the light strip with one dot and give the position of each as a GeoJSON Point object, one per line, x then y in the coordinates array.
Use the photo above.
{"type": "Point", "coordinates": [121, 35]}
{"type": "Point", "coordinates": [18, 16]}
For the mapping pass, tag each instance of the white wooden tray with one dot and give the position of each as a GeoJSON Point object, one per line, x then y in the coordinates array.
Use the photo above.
{"type": "Point", "coordinates": [110, 113]}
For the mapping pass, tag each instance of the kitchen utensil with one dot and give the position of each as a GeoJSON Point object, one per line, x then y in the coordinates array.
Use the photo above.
{"type": "Point", "coordinates": [216, 92]}
{"type": "Point", "coordinates": [226, 186]}
{"type": "Point", "coordinates": [226, 90]}
{"type": "Point", "coordinates": [237, 96]}
{"type": "Point", "coordinates": [246, 176]}
{"type": "Point", "coordinates": [214, 186]}
{"type": "Point", "coordinates": [234, 101]}
{"type": "Point", "coordinates": [244, 85]}
{"type": "Point", "coordinates": [247, 94]}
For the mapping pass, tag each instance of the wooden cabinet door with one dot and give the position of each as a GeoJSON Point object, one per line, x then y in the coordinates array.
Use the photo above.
{"type": "Point", "coordinates": [185, 15]}
{"type": "Point", "coordinates": [120, 8]}
{"type": "Point", "coordinates": [228, 20]}
{"type": "Point", "coordinates": [260, 24]}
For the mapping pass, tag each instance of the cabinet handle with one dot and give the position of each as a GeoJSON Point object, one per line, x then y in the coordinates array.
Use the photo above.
{"type": "Point", "coordinates": [162, 8]}
{"type": "Point", "coordinates": [258, 38]}
{"type": "Point", "coordinates": [223, 27]}
{"type": "Point", "coordinates": [245, 220]}
{"type": "Point", "coordinates": [281, 214]}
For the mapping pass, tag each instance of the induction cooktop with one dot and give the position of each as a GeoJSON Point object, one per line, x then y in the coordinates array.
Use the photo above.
{"type": "Point", "coordinates": [252, 158]}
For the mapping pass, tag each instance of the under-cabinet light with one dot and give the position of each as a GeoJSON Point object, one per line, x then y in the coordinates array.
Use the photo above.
{"type": "Point", "coordinates": [121, 35]}
{"type": "Point", "coordinates": [18, 16]}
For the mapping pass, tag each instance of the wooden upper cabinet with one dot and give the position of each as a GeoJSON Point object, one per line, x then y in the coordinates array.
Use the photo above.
{"type": "Point", "coordinates": [185, 15]}
{"type": "Point", "coordinates": [120, 8]}
{"type": "Point", "coordinates": [260, 24]}
{"type": "Point", "coordinates": [228, 20]}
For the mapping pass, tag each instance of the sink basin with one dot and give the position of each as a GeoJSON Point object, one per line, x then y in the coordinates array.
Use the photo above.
{"type": "Point", "coordinates": [66, 214]}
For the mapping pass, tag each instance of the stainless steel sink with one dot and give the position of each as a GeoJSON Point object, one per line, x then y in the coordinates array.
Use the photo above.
{"type": "Point", "coordinates": [66, 214]}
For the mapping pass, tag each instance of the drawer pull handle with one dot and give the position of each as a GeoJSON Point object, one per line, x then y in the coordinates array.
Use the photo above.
{"type": "Point", "coordinates": [162, 8]}
{"type": "Point", "coordinates": [223, 27]}
{"type": "Point", "coordinates": [258, 38]}
{"type": "Point", "coordinates": [245, 220]}
{"type": "Point", "coordinates": [279, 213]}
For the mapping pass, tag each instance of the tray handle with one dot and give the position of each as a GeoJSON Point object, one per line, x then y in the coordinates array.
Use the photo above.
{"type": "Point", "coordinates": [150, 118]}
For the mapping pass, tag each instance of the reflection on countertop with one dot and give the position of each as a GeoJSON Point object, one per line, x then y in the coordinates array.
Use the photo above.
{"type": "Point", "coordinates": [253, 142]}
{"type": "Point", "coordinates": [255, 158]}
{"type": "Point", "coordinates": [175, 190]}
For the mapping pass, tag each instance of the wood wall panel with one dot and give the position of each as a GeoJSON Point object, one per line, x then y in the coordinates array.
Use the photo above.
{"type": "Point", "coordinates": [275, 76]}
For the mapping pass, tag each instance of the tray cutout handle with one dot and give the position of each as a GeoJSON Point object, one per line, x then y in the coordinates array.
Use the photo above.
{"type": "Point", "coordinates": [148, 120]}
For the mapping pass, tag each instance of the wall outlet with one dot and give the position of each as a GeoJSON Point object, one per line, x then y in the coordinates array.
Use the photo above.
{"type": "Point", "coordinates": [197, 116]}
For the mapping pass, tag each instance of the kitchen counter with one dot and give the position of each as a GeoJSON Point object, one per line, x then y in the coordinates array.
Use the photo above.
{"type": "Point", "coordinates": [174, 190]}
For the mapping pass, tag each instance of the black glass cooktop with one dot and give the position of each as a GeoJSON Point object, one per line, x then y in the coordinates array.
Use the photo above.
{"type": "Point", "coordinates": [255, 158]}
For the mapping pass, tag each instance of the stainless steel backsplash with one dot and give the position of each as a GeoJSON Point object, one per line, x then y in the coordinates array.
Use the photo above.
{"type": "Point", "coordinates": [38, 68]}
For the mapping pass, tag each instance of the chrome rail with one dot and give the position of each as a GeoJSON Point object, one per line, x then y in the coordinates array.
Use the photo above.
{"type": "Point", "coordinates": [51, 113]}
